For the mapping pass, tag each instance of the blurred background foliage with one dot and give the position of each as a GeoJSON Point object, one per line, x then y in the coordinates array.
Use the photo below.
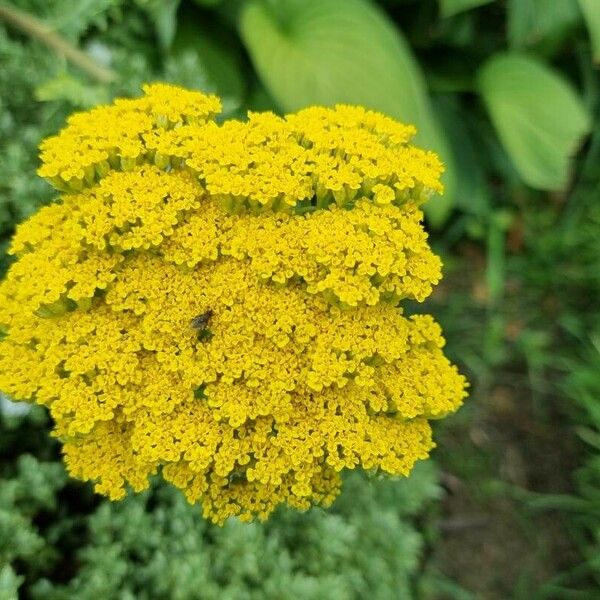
{"type": "Point", "coordinates": [507, 91]}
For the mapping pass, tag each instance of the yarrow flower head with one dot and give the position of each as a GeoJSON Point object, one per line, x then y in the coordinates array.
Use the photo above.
{"type": "Point", "coordinates": [222, 302]}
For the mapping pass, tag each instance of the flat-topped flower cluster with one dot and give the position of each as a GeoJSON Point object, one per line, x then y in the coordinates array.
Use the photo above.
{"type": "Point", "coordinates": [221, 303]}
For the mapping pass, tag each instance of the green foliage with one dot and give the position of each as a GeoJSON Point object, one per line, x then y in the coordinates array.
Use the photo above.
{"type": "Point", "coordinates": [576, 278]}
{"type": "Point", "coordinates": [29, 492]}
{"type": "Point", "coordinates": [548, 288]}
{"type": "Point", "coordinates": [25, 495]}
{"type": "Point", "coordinates": [540, 137]}
{"type": "Point", "coordinates": [20, 129]}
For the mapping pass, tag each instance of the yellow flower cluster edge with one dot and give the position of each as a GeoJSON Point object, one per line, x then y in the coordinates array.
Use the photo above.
{"type": "Point", "coordinates": [221, 303]}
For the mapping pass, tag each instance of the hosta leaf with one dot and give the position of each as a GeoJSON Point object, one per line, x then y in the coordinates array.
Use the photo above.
{"type": "Point", "coordinates": [329, 51]}
{"type": "Point", "coordinates": [539, 117]}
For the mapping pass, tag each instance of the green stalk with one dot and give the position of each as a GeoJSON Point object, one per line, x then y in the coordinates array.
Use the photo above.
{"type": "Point", "coordinates": [45, 34]}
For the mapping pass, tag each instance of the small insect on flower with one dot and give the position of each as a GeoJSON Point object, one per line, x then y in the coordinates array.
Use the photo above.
{"type": "Point", "coordinates": [200, 324]}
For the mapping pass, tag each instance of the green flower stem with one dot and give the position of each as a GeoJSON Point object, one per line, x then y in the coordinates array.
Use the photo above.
{"type": "Point", "coordinates": [45, 34]}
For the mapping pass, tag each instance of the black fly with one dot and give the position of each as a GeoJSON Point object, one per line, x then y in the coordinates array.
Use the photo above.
{"type": "Point", "coordinates": [201, 321]}
{"type": "Point", "coordinates": [200, 324]}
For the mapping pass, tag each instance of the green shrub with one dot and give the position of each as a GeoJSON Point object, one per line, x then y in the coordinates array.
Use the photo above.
{"type": "Point", "coordinates": [59, 541]}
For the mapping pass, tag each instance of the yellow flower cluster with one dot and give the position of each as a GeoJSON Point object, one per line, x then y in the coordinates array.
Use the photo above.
{"type": "Point", "coordinates": [220, 303]}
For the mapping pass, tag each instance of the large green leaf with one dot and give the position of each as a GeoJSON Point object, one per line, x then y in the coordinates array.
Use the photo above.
{"type": "Point", "coordinates": [591, 13]}
{"type": "Point", "coordinates": [328, 51]}
{"type": "Point", "coordinates": [453, 7]}
{"type": "Point", "coordinates": [539, 117]}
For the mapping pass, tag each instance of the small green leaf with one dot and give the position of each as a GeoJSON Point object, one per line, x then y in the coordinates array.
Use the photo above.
{"type": "Point", "coordinates": [591, 14]}
{"type": "Point", "coordinates": [453, 7]}
{"type": "Point", "coordinates": [330, 51]}
{"type": "Point", "coordinates": [539, 118]}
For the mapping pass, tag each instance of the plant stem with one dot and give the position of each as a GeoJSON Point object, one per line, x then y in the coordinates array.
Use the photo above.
{"type": "Point", "coordinates": [45, 34]}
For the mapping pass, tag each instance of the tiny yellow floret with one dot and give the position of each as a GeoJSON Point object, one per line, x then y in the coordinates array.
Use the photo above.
{"type": "Point", "coordinates": [221, 303]}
